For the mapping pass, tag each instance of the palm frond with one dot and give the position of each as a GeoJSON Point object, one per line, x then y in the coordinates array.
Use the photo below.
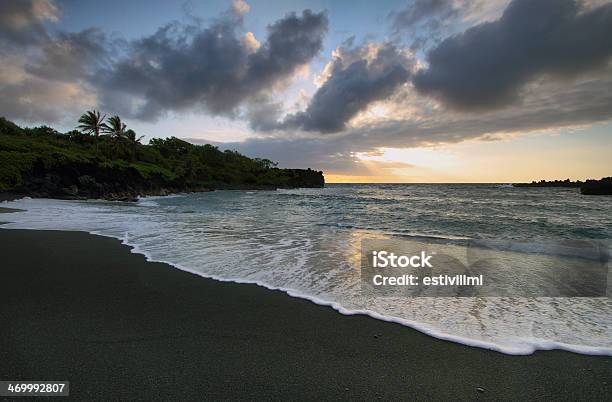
{"type": "Point", "coordinates": [91, 122]}
{"type": "Point", "coordinates": [131, 136]}
{"type": "Point", "coordinates": [115, 127]}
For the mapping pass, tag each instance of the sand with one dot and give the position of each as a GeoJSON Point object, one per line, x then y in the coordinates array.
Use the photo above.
{"type": "Point", "coordinates": [83, 308]}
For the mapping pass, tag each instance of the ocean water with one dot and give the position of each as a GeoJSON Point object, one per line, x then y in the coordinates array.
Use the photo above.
{"type": "Point", "coordinates": [307, 243]}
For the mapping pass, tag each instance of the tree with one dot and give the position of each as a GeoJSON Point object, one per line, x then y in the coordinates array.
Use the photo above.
{"type": "Point", "coordinates": [115, 127]}
{"type": "Point", "coordinates": [92, 123]}
{"type": "Point", "coordinates": [130, 135]}
{"type": "Point", "coordinates": [266, 163]}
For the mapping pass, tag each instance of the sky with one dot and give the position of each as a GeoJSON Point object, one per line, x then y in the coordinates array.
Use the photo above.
{"type": "Point", "coordinates": [389, 91]}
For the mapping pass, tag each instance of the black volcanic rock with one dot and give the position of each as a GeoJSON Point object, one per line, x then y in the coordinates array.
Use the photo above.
{"type": "Point", "coordinates": [551, 183]}
{"type": "Point", "coordinates": [597, 187]}
{"type": "Point", "coordinates": [40, 162]}
{"type": "Point", "coordinates": [588, 187]}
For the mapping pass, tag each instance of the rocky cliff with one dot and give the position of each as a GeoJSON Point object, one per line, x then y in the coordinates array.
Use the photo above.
{"type": "Point", "coordinates": [41, 162]}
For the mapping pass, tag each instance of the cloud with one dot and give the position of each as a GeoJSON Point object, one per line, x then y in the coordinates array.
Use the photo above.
{"type": "Point", "coordinates": [487, 66]}
{"type": "Point", "coordinates": [421, 10]}
{"type": "Point", "coordinates": [21, 22]}
{"type": "Point", "coordinates": [356, 77]}
{"type": "Point", "coordinates": [547, 106]}
{"type": "Point", "coordinates": [250, 42]}
{"type": "Point", "coordinates": [497, 79]}
{"type": "Point", "coordinates": [43, 77]}
{"type": "Point", "coordinates": [263, 113]}
{"type": "Point", "coordinates": [183, 67]}
{"type": "Point", "coordinates": [425, 20]}
{"type": "Point", "coordinates": [28, 97]}
{"type": "Point", "coordinates": [484, 68]}
{"type": "Point", "coordinates": [302, 152]}
{"type": "Point", "coordinates": [214, 68]}
{"type": "Point", "coordinates": [241, 7]}
{"type": "Point", "coordinates": [71, 55]}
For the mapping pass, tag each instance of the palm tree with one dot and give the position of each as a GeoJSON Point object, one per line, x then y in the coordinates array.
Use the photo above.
{"type": "Point", "coordinates": [130, 135]}
{"type": "Point", "coordinates": [115, 127]}
{"type": "Point", "coordinates": [92, 123]}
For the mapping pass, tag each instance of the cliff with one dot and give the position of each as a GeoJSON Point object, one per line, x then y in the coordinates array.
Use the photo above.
{"type": "Point", "coordinates": [41, 162]}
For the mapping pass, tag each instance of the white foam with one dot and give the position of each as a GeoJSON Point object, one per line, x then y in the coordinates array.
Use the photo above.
{"type": "Point", "coordinates": [96, 218]}
{"type": "Point", "coordinates": [161, 197]}
{"type": "Point", "coordinates": [144, 203]}
{"type": "Point", "coordinates": [521, 347]}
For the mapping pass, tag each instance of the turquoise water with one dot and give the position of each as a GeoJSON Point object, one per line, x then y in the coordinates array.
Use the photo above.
{"type": "Point", "coordinates": [307, 242]}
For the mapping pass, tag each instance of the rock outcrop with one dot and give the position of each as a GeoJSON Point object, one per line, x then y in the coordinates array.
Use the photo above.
{"type": "Point", "coordinates": [597, 187]}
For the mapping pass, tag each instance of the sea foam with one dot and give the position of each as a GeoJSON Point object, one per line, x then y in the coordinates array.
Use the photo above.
{"type": "Point", "coordinates": [308, 249]}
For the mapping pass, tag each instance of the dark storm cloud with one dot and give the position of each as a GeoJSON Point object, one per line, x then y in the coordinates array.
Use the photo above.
{"type": "Point", "coordinates": [546, 106]}
{"type": "Point", "coordinates": [71, 55]}
{"type": "Point", "coordinates": [487, 66]}
{"type": "Point", "coordinates": [355, 80]}
{"type": "Point", "coordinates": [263, 113]}
{"type": "Point", "coordinates": [424, 20]}
{"type": "Point", "coordinates": [423, 11]}
{"type": "Point", "coordinates": [21, 21]}
{"type": "Point", "coordinates": [59, 56]}
{"type": "Point", "coordinates": [216, 68]}
{"type": "Point", "coordinates": [182, 67]}
{"type": "Point", "coordinates": [43, 76]}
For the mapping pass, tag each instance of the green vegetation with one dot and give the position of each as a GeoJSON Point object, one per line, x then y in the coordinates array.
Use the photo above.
{"type": "Point", "coordinates": [588, 187]}
{"type": "Point", "coordinates": [107, 160]}
{"type": "Point", "coordinates": [551, 183]}
{"type": "Point", "coordinates": [92, 123]}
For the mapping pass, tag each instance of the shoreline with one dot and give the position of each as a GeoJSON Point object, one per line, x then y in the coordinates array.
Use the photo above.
{"type": "Point", "coordinates": [412, 325]}
{"type": "Point", "coordinates": [124, 197]}
{"type": "Point", "coordinates": [116, 326]}
{"type": "Point", "coordinates": [527, 348]}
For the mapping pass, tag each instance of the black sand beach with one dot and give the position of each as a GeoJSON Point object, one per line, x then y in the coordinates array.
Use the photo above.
{"type": "Point", "coordinates": [83, 308]}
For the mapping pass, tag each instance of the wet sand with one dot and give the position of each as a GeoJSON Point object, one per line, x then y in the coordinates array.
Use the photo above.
{"type": "Point", "coordinates": [83, 308]}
